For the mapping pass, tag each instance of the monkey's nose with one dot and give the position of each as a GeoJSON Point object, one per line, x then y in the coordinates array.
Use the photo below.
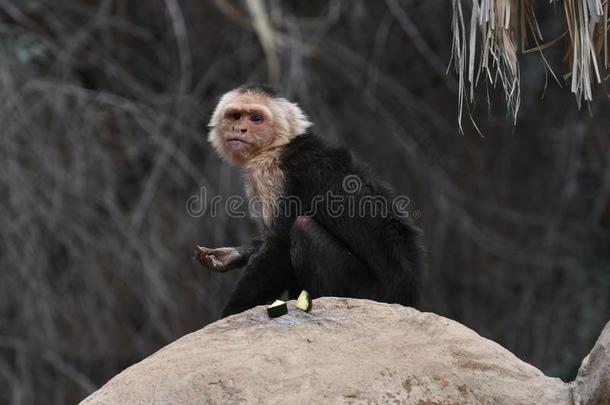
{"type": "Point", "coordinates": [243, 130]}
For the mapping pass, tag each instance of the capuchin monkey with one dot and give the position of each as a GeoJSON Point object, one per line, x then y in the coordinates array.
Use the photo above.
{"type": "Point", "coordinates": [327, 225]}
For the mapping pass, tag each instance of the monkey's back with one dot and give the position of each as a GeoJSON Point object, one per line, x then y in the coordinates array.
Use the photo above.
{"type": "Point", "coordinates": [381, 234]}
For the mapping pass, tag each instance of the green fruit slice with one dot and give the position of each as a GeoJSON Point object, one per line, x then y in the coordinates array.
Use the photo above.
{"type": "Point", "coordinates": [278, 308]}
{"type": "Point", "coordinates": [304, 301]}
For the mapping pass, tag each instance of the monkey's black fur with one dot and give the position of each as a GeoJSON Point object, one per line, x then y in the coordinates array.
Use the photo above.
{"type": "Point", "coordinates": [368, 254]}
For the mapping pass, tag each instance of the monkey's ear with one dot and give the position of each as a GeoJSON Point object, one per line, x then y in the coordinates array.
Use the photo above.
{"type": "Point", "coordinates": [298, 120]}
{"type": "Point", "coordinates": [303, 121]}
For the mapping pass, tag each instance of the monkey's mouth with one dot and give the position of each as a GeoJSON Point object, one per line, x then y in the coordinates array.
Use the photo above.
{"type": "Point", "coordinates": [237, 141]}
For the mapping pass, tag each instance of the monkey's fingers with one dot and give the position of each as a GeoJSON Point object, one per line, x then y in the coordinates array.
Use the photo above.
{"type": "Point", "coordinates": [200, 251]}
{"type": "Point", "coordinates": [207, 258]}
{"type": "Point", "coordinates": [197, 250]}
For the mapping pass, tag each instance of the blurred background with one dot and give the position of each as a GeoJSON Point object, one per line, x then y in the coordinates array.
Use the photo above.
{"type": "Point", "coordinates": [103, 108]}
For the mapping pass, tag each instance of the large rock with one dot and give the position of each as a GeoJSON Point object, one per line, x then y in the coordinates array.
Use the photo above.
{"type": "Point", "coordinates": [344, 351]}
{"type": "Point", "coordinates": [592, 384]}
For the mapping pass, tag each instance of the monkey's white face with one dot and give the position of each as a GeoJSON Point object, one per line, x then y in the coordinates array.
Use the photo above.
{"type": "Point", "coordinates": [245, 128]}
{"type": "Point", "coordinates": [247, 124]}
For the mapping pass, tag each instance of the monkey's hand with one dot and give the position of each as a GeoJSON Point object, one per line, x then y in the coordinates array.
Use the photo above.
{"type": "Point", "coordinates": [220, 259]}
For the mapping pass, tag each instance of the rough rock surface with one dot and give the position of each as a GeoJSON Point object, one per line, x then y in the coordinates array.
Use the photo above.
{"type": "Point", "coordinates": [592, 384]}
{"type": "Point", "coordinates": [344, 351]}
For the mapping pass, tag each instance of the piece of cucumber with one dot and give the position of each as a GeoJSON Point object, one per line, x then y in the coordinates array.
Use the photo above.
{"type": "Point", "coordinates": [278, 308]}
{"type": "Point", "coordinates": [304, 301]}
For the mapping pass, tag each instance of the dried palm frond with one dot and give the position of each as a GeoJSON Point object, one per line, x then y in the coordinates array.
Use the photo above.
{"type": "Point", "coordinates": [496, 20]}
{"type": "Point", "coordinates": [495, 53]}
{"type": "Point", "coordinates": [587, 47]}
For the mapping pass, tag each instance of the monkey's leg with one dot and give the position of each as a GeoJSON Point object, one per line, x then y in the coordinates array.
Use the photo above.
{"type": "Point", "coordinates": [225, 258]}
{"type": "Point", "coordinates": [324, 266]}
{"type": "Point", "coordinates": [266, 276]}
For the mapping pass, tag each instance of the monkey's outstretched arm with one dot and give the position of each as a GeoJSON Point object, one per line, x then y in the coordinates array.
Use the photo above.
{"type": "Point", "coordinates": [226, 258]}
{"type": "Point", "coordinates": [267, 274]}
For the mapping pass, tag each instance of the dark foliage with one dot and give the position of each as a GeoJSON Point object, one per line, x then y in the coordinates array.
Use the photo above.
{"type": "Point", "coordinates": [103, 106]}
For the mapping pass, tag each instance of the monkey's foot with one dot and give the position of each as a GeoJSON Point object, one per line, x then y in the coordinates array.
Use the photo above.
{"type": "Point", "coordinates": [219, 259]}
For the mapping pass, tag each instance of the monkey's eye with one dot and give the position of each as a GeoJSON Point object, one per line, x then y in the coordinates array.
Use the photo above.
{"type": "Point", "coordinates": [255, 118]}
{"type": "Point", "coordinates": [236, 116]}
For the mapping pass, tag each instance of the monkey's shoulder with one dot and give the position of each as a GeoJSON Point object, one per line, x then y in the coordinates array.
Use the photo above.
{"type": "Point", "coordinates": [307, 154]}
{"type": "Point", "coordinates": [313, 166]}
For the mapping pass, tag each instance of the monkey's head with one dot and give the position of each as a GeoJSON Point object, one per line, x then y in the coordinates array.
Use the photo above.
{"type": "Point", "coordinates": [252, 120]}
